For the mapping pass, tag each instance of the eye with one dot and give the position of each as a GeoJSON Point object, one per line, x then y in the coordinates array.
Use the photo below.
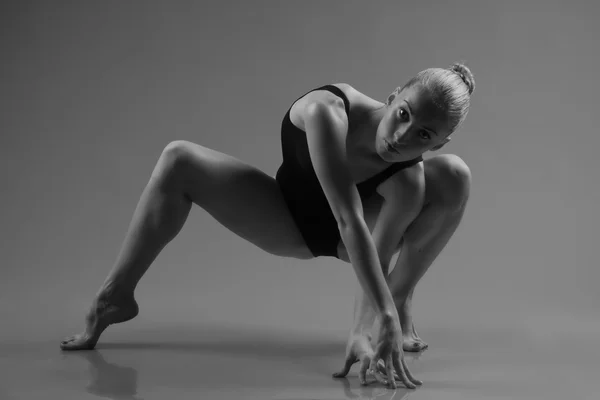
{"type": "Point", "coordinates": [402, 112]}
{"type": "Point", "coordinates": [425, 135]}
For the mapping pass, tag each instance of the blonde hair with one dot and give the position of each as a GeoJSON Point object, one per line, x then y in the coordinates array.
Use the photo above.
{"type": "Point", "coordinates": [450, 88]}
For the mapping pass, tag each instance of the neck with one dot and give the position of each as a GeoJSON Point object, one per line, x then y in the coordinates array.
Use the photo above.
{"type": "Point", "coordinates": [366, 131]}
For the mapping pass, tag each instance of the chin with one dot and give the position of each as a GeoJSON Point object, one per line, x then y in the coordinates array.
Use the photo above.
{"type": "Point", "coordinates": [394, 158]}
{"type": "Point", "coordinates": [391, 158]}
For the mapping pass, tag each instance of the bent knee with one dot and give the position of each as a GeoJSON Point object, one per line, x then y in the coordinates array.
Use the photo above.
{"type": "Point", "coordinates": [180, 154]}
{"type": "Point", "coordinates": [176, 151]}
{"type": "Point", "coordinates": [453, 180]}
{"type": "Point", "coordinates": [172, 159]}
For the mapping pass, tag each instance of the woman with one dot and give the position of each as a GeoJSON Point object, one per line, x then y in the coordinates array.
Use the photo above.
{"type": "Point", "coordinates": [352, 185]}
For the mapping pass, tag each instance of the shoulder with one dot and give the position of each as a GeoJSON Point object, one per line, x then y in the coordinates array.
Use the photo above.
{"type": "Point", "coordinates": [330, 99]}
{"type": "Point", "coordinates": [323, 100]}
{"type": "Point", "coordinates": [333, 102]}
{"type": "Point", "coordinates": [323, 104]}
{"type": "Point", "coordinates": [324, 116]}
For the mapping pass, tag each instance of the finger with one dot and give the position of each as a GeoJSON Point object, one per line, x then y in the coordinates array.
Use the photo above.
{"type": "Point", "coordinates": [402, 373]}
{"type": "Point", "coordinates": [362, 373]}
{"type": "Point", "coordinates": [390, 372]}
{"type": "Point", "coordinates": [349, 361]}
{"type": "Point", "coordinates": [376, 374]}
{"type": "Point", "coordinates": [381, 369]}
{"type": "Point", "coordinates": [409, 375]}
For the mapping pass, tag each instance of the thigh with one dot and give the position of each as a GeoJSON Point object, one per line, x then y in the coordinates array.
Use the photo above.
{"type": "Point", "coordinates": [445, 177]}
{"type": "Point", "coordinates": [241, 197]}
{"type": "Point", "coordinates": [447, 181]}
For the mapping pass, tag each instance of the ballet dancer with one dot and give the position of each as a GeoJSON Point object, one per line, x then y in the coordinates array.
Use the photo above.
{"type": "Point", "coordinates": [352, 185]}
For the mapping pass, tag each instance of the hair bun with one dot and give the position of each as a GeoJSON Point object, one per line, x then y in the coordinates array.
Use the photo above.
{"type": "Point", "coordinates": [466, 75]}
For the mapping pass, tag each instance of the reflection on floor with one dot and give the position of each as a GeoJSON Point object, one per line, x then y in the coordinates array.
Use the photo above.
{"type": "Point", "coordinates": [219, 362]}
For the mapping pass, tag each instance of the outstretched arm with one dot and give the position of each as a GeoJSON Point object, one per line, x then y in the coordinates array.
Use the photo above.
{"type": "Point", "coordinates": [364, 314]}
{"type": "Point", "coordinates": [326, 143]}
{"type": "Point", "coordinates": [325, 132]}
{"type": "Point", "coordinates": [403, 195]}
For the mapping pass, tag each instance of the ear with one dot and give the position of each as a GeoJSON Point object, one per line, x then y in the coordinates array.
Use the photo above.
{"type": "Point", "coordinates": [439, 146]}
{"type": "Point", "coordinates": [392, 96]}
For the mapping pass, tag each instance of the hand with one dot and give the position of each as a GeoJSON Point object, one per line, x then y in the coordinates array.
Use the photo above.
{"type": "Point", "coordinates": [359, 349]}
{"type": "Point", "coordinates": [392, 355]}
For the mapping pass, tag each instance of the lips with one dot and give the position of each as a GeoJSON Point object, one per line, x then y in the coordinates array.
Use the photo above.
{"type": "Point", "coordinates": [389, 147]}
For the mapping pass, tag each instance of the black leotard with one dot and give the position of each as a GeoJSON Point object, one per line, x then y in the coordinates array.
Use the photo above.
{"type": "Point", "coordinates": [302, 190]}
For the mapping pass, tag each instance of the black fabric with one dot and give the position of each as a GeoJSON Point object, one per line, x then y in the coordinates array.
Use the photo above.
{"type": "Point", "coordinates": [302, 190]}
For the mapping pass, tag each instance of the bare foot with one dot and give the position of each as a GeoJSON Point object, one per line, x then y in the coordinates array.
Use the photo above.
{"type": "Point", "coordinates": [103, 313]}
{"type": "Point", "coordinates": [411, 340]}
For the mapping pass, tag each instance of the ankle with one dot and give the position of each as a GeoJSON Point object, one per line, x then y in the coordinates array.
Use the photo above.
{"type": "Point", "coordinates": [114, 290]}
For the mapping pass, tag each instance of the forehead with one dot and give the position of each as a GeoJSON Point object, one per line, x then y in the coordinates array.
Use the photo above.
{"type": "Point", "coordinates": [422, 102]}
{"type": "Point", "coordinates": [424, 109]}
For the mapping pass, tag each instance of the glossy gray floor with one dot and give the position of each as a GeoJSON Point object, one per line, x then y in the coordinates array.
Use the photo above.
{"type": "Point", "coordinates": [218, 361]}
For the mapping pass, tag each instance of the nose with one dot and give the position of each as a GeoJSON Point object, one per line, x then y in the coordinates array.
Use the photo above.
{"type": "Point", "coordinates": [396, 137]}
{"type": "Point", "coordinates": [402, 135]}
{"type": "Point", "coordinates": [399, 136]}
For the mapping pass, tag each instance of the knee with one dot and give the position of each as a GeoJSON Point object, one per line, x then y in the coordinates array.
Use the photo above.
{"type": "Point", "coordinates": [172, 159]}
{"type": "Point", "coordinates": [176, 152]}
{"type": "Point", "coordinates": [454, 181]}
{"type": "Point", "coordinates": [177, 155]}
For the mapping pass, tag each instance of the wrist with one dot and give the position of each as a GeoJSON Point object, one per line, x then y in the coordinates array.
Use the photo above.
{"type": "Point", "coordinates": [362, 330]}
{"type": "Point", "coordinates": [364, 324]}
{"type": "Point", "coordinates": [388, 314]}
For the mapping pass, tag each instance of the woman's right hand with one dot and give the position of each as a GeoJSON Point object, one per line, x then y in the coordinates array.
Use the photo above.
{"type": "Point", "coordinates": [388, 350]}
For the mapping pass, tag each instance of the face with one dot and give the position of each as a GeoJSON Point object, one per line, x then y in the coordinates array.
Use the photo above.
{"type": "Point", "coordinates": [412, 125]}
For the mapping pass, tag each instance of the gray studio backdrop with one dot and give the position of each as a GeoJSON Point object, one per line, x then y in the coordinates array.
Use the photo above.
{"type": "Point", "coordinates": [91, 93]}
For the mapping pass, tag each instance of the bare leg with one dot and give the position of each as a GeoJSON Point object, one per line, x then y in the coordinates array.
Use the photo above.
{"type": "Point", "coordinates": [158, 217]}
{"type": "Point", "coordinates": [428, 235]}
{"type": "Point", "coordinates": [187, 173]}
{"type": "Point", "coordinates": [448, 181]}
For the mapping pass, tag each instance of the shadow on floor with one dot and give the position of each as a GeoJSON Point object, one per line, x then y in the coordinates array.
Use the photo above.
{"type": "Point", "coordinates": [312, 357]}
{"type": "Point", "coordinates": [231, 340]}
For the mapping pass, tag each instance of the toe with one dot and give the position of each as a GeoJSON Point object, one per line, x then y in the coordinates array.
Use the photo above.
{"type": "Point", "coordinates": [414, 345]}
{"type": "Point", "coordinates": [411, 347]}
{"type": "Point", "coordinates": [75, 342]}
{"type": "Point", "coordinates": [67, 340]}
{"type": "Point", "coordinates": [67, 343]}
{"type": "Point", "coordinates": [420, 346]}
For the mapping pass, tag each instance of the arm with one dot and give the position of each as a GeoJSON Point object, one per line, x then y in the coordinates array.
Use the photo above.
{"type": "Point", "coordinates": [403, 195]}
{"type": "Point", "coordinates": [325, 132]}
